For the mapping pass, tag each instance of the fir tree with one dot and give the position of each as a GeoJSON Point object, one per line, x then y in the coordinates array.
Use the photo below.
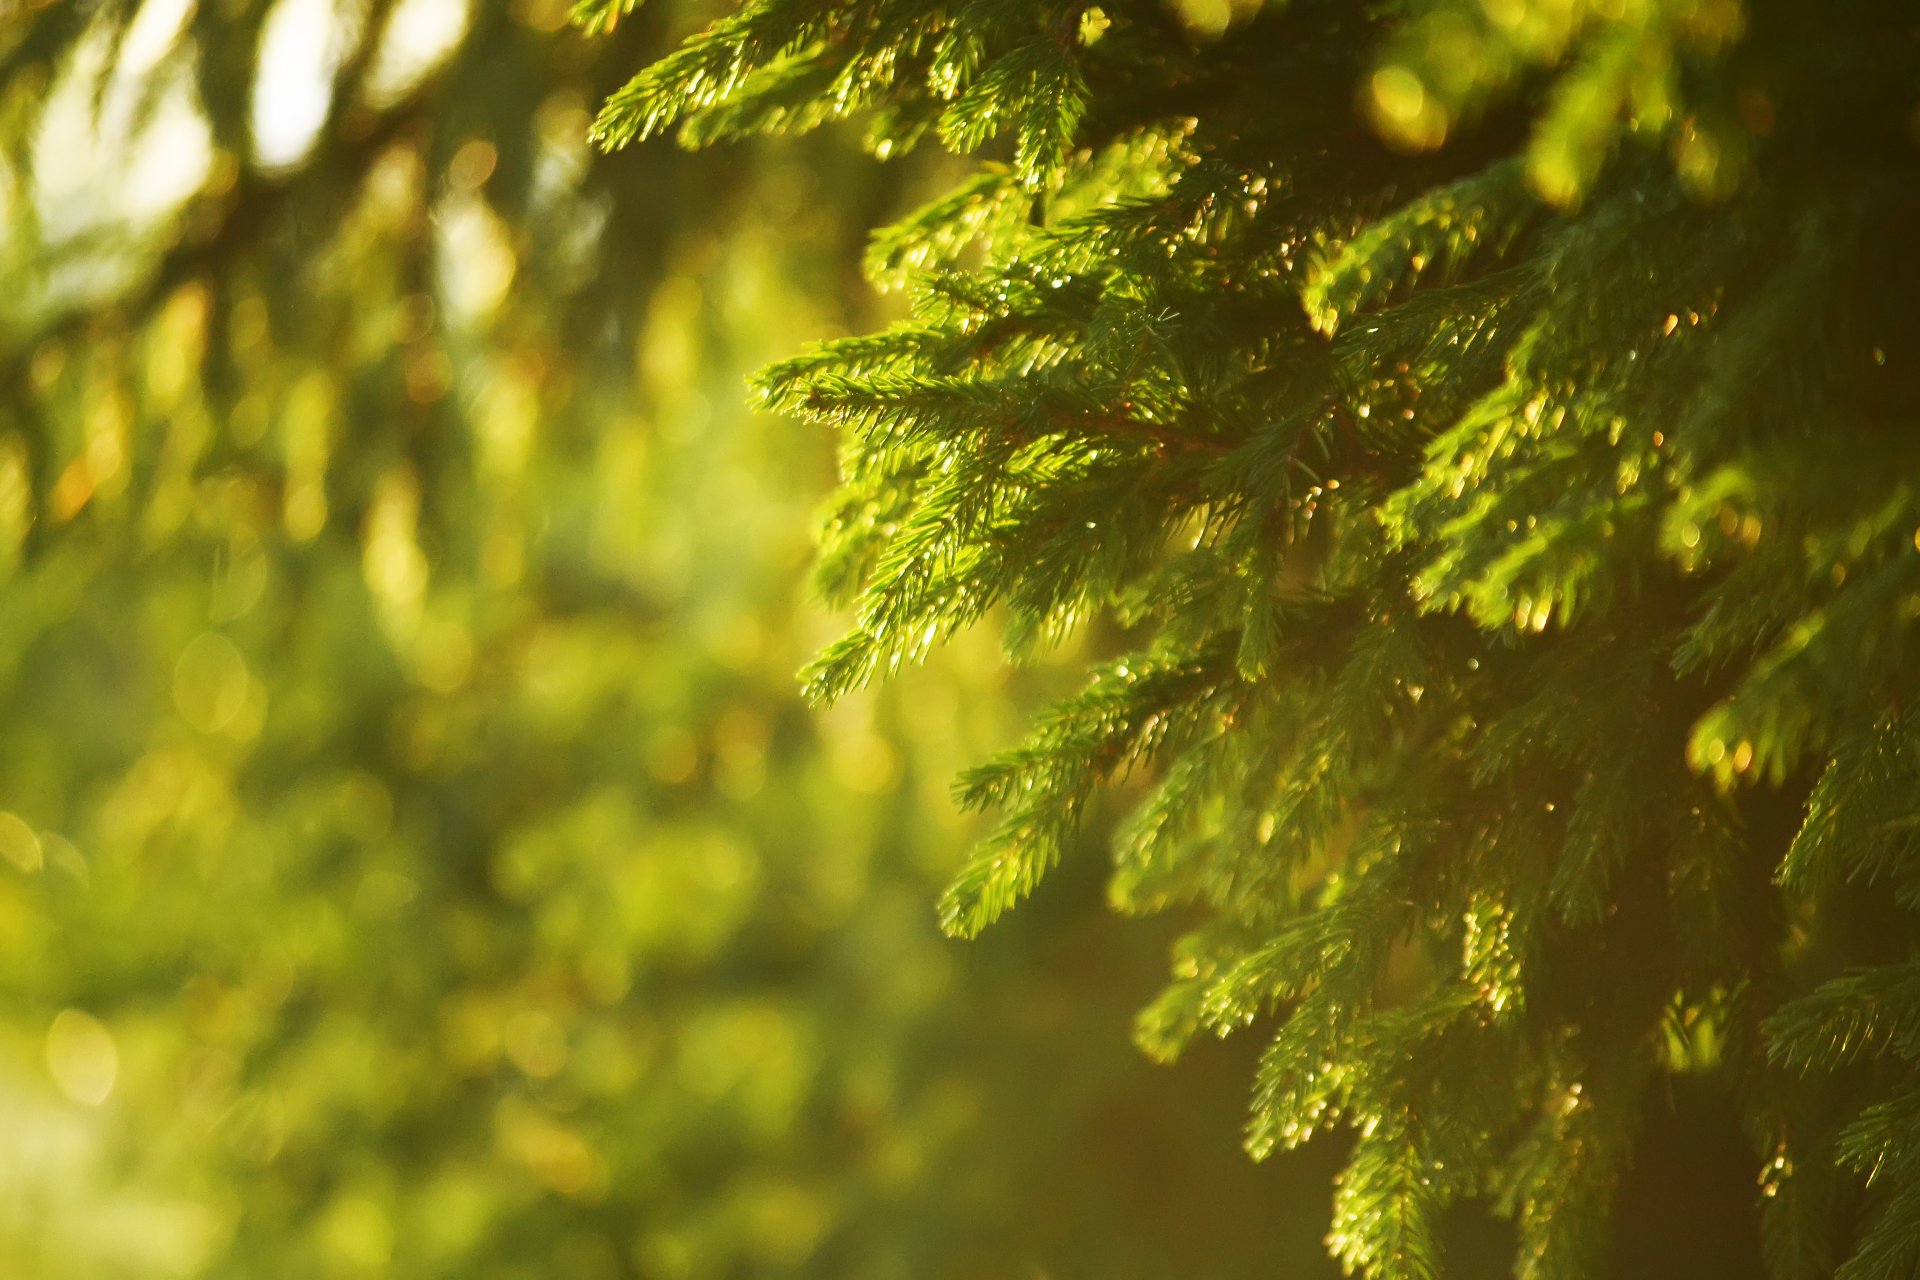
{"type": "Point", "coordinates": [1491, 427]}
{"type": "Point", "coordinates": [415, 860]}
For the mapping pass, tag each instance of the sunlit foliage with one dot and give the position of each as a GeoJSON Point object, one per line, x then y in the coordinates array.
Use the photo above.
{"type": "Point", "coordinates": [415, 857]}
{"type": "Point", "coordinates": [1491, 424]}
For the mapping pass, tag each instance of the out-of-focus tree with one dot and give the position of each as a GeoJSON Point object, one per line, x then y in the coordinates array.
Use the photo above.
{"type": "Point", "coordinates": [414, 858]}
{"type": "Point", "coordinates": [1491, 425]}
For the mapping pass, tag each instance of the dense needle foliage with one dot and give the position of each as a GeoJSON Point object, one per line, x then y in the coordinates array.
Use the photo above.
{"type": "Point", "coordinates": [415, 859]}
{"type": "Point", "coordinates": [1490, 427]}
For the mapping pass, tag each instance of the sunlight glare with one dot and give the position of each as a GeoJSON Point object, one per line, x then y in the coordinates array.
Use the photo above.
{"type": "Point", "coordinates": [303, 45]}
{"type": "Point", "coordinates": [418, 37]}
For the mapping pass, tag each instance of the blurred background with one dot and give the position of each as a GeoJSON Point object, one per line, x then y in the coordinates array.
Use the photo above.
{"type": "Point", "coordinates": [414, 858]}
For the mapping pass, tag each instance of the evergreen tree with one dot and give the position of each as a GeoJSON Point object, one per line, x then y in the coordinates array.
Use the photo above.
{"type": "Point", "coordinates": [415, 860]}
{"type": "Point", "coordinates": [1488, 430]}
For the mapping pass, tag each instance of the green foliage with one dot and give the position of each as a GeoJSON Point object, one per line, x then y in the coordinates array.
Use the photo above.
{"type": "Point", "coordinates": [1504, 497]}
{"type": "Point", "coordinates": [415, 860]}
